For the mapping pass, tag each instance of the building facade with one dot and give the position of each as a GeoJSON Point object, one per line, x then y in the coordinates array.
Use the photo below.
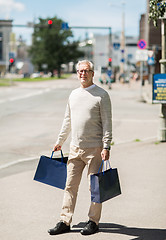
{"type": "Point", "coordinates": [97, 49]}
{"type": "Point", "coordinates": [5, 33]}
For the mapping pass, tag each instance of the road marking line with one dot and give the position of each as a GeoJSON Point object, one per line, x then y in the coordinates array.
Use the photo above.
{"type": "Point", "coordinates": [26, 96]}
{"type": "Point", "coordinates": [135, 120]}
{"type": "Point", "coordinates": [18, 161]}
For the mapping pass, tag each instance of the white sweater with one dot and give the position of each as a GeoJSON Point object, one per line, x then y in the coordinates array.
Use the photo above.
{"type": "Point", "coordinates": [88, 117]}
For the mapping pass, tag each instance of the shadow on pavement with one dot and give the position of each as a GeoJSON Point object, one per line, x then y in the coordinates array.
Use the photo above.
{"type": "Point", "coordinates": [139, 233]}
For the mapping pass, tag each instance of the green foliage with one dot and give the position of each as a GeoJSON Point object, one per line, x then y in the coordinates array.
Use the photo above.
{"type": "Point", "coordinates": [7, 82]}
{"type": "Point", "coordinates": [157, 142]}
{"type": "Point", "coordinates": [157, 9]}
{"type": "Point", "coordinates": [52, 45]}
{"type": "Point", "coordinates": [4, 82]}
{"type": "Point", "coordinates": [137, 140]}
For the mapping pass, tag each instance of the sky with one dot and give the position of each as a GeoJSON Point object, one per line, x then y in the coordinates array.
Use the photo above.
{"type": "Point", "coordinates": [107, 13]}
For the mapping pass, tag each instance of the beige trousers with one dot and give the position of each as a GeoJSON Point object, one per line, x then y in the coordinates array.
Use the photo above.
{"type": "Point", "coordinates": [78, 159]}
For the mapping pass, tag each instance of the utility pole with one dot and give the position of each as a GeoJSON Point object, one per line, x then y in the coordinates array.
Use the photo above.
{"type": "Point", "coordinates": [110, 43]}
{"type": "Point", "coordinates": [162, 136]}
{"type": "Point", "coordinates": [122, 70]}
{"type": "Point", "coordinates": [122, 40]}
{"type": "Point", "coordinates": [146, 37]}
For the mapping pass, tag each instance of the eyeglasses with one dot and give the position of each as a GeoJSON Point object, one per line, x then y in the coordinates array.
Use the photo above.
{"type": "Point", "coordinates": [85, 71]}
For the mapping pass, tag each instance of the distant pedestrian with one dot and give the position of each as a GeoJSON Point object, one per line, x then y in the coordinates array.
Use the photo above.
{"type": "Point", "coordinates": [88, 117]}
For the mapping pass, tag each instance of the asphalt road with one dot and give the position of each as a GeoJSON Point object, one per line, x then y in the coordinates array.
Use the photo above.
{"type": "Point", "coordinates": [31, 115]}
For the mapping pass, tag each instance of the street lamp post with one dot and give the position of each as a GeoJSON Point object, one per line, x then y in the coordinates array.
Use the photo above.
{"type": "Point", "coordinates": [122, 40]}
{"type": "Point", "coordinates": [110, 44]}
{"type": "Point", "coordinates": [122, 70]}
{"type": "Point", "coordinates": [163, 70]}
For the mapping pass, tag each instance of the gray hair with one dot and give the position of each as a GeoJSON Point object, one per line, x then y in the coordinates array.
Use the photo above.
{"type": "Point", "coordinates": [91, 65]}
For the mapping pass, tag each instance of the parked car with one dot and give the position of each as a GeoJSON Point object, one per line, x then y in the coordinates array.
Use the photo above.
{"type": "Point", "coordinates": [35, 75]}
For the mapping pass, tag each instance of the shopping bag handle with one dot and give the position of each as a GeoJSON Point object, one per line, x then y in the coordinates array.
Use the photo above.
{"type": "Point", "coordinates": [102, 163]}
{"type": "Point", "coordinates": [61, 155]}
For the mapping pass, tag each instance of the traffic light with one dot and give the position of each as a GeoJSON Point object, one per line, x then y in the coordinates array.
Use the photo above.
{"type": "Point", "coordinates": [110, 62]}
{"type": "Point", "coordinates": [11, 60]}
{"type": "Point", "coordinates": [11, 63]}
{"type": "Point", "coordinates": [50, 22]}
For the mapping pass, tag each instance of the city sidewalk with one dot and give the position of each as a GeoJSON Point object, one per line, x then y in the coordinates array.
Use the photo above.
{"type": "Point", "coordinates": [29, 208]}
{"type": "Point", "coordinates": [145, 92]}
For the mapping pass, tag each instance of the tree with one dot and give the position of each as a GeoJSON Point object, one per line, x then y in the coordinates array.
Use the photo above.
{"type": "Point", "coordinates": [53, 46]}
{"type": "Point", "coordinates": [157, 9]}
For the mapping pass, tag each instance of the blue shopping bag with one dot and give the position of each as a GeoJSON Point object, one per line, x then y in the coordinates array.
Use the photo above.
{"type": "Point", "coordinates": [52, 171]}
{"type": "Point", "coordinates": [105, 185]}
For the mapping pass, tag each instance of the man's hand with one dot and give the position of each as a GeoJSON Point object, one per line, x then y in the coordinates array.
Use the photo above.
{"type": "Point", "coordinates": [105, 154]}
{"type": "Point", "coordinates": [57, 147]}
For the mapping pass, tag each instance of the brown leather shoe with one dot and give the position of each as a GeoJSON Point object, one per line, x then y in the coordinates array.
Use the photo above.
{"type": "Point", "coordinates": [90, 228]}
{"type": "Point", "coordinates": [61, 227]}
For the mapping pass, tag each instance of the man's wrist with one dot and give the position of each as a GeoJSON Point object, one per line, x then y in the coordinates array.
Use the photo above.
{"type": "Point", "coordinates": [107, 148]}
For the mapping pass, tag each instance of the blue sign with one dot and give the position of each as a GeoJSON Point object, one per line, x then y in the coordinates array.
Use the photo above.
{"type": "Point", "coordinates": [130, 56]}
{"type": "Point", "coordinates": [64, 26]}
{"type": "Point", "coordinates": [122, 60]}
{"type": "Point", "coordinates": [11, 55]}
{"type": "Point", "coordinates": [151, 61]}
{"type": "Point", "coordinates": [109, 72]}
{"type": "Point", "coordinates": [159, 88]}
{"type": "Point", "coordinates": [141, 44]}
{"type": "Point", "coordinates": [116, 46]}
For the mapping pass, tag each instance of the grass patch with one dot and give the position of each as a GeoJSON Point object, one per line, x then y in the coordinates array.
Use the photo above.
{"type": "Point", "coordinates": [6, 82]}
{"type": "Point", "coordinates": [137, 140]}
{"type": "Point", "coordinates": [40, 79]}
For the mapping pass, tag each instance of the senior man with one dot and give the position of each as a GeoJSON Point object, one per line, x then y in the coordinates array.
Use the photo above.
{"type": "Point", "coordinates": [88, 117]}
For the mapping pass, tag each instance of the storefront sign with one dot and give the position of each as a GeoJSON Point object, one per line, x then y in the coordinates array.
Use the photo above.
{"type": "Point", "coordinates": [159, 88]}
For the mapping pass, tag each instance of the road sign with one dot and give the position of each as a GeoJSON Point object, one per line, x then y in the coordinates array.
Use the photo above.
{"type": "Point", "coordinates": [109, 72]}
{"type": "Point", "coordinates": [64, 26]}
{"type": "Point", "coordinates": [151, 57]}
{"type": "Point", "coordinates": [130, 56]}
{"type": "Point", "coordinates": [141, 55]}
{"type": "Point", "coordinates": [151, 60]}
{"type": "Point", "coordinates": [141, 44]}
{"type": "Point", "coordinates": [11, 54]}
{"type": "Point", "coordinates": [159, 88]}
{"type": "Point", "coordinates": [116, 46]}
